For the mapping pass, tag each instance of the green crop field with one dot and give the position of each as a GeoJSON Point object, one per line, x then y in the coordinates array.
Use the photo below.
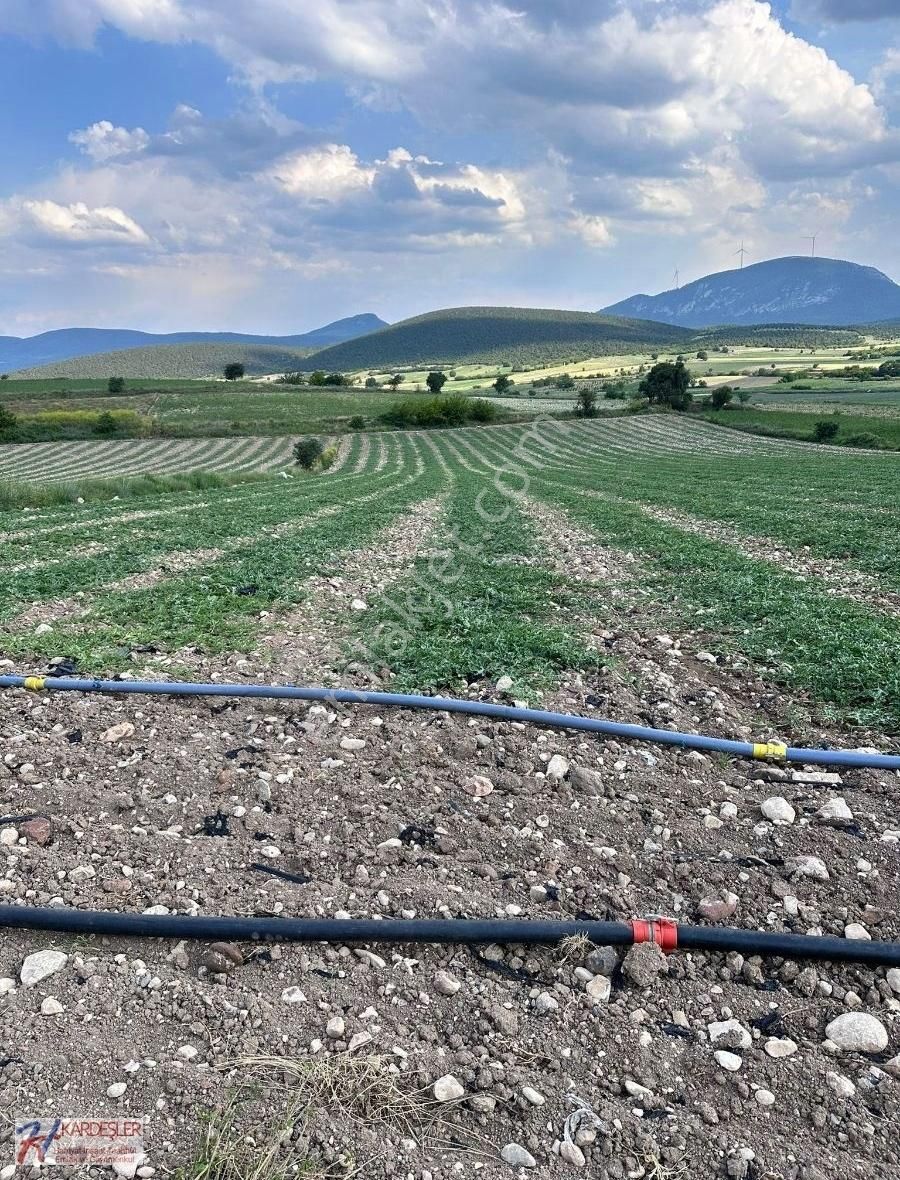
{"type": "Point", "coordinates": [867, 430]}
{"type": "Point", "coordinates": [707, 519]}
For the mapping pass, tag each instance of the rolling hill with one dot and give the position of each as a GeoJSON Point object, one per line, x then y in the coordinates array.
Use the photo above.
{"type": "Point", "coordinates": [67, 343]}
{"type": "Point", "coordinates": [494, 335]}
{"type": "Point", "coordinates": [819, 291]}
{"type": "Point", "coordinates": [177, 360]}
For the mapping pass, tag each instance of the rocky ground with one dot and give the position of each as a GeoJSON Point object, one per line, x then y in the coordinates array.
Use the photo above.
{"type": "Point", "coordinates": [437, 1062]}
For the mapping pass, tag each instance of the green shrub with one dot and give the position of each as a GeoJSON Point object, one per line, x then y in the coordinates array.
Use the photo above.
{"type": "Point", "coordinates": [8, 423]}
{"type": "Point", "coordinates": [451, 410]}
{"type": "Point", "coordinates": [825, 431]}
{"type": "Point", "coordinates": [306, 452]}
{"type": "Point", "coordinates": [357, 422]}
{"type": "Point", "coordinates": [115, 385]}
{"type": "Point", "coordinates": [586, 402]}
{"type": "Point", "coordinates": [327, 457]}
{"type": "Point", "coordinates": [864, 440]}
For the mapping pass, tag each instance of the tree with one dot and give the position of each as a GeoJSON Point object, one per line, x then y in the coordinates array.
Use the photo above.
{"type": "Point", "coordinates": [564, 382]}
{"type": "Point", "coordinates": [889, 369]}
{"type": "Point", "coordinates": [436, 381]}
{"type": "Point", "coordinates": [371, 383]}
{"type": "Point", "coordinates": [395, 381]}
{"type": "Point", "coordinates": [825, 431]}
{"type": "Point", "coordinates": [317, 377]}
{"type": "Point", "coordinates": [306, 452]}
{"type": "Point", "coordinates": [115, 384]}
{"type": "Point", "coordinates": [234, 371]}
{"type": "Point", "coordinates": [335, 379]}
{"type": "Point", "coordinates": [503, 383]}
{"type": "Point", "coordinates": [721, 396]}
{"type": "Point", "coordinates": [586, 402]}
{"type": "Point", "coordinates": [702, 355]}
{"type": "Point", "coordinates": [8, 422]}
{"type": "Point", "coordinates": [667, 384]}
{"type": "Point", "coordinates": [105, 424]}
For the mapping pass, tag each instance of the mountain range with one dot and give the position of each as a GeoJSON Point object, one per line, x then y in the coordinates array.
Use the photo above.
{"type": "Point", "coordinates": [818, 291]}
{"type": "Point", "coordinates": [28, 352]}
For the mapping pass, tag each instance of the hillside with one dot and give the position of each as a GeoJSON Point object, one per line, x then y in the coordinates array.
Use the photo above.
{"type": "Point", "coordinates": [515, 335]}
{"type": "Point", "coordinates": [822, 291]}
{"type": "Point", "coordinates": [66, 343]}
{"type": "Point", "coordinates": [176, 360]}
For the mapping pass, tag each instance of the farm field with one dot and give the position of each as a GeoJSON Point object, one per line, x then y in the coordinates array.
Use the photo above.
{"type": "Point", "coordinates": [867, 430]}
{"type": "Point", "coordinates": [654, 569]}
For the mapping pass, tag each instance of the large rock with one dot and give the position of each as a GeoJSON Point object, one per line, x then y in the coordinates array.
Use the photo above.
{"type": "Point", "coordinates": [644, 963]}
{"type": "Point", "coordinates": [448, 1089]}
{"type": "Point", "coordinates": [857, 1032]}
{"type": "Point", "coordinates": [517, 1157]}
{"type": "Point", "coordinates": [40, 965]}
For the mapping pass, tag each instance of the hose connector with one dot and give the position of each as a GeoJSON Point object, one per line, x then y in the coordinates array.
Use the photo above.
{"type": "Point", "coordinates": [775, 750]}
{"type": "Point", "coordinates": [34, 683]}
{"type": "Point", "coordinates": [662, 931]}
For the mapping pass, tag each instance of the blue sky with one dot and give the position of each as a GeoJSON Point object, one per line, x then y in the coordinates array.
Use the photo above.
{"type": "Point", "coordinates": [174, 164]}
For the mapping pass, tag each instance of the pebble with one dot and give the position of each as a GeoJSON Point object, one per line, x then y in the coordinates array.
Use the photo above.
{"type": "Point", "coordinates": [51, 1006]}
{"type": "Point", "coordinates": [7, 985]}
{"type": "Point", "coordinates": [545, 1003]}
{"type": "Point", "coordinates": [764, 1097]}
{"type": "Point", "coordinates": [778, 810]}
{"type": "Point", "coordinates": [39, 965]}
{"type": "Point", "coordinates": [602, 960]}
{"type": "Point", "coordinates": [445, 984]}
{"type": "Point", "coordinates": [42, 629]}
{"type": "Point", "coordinates": [37, 830]}
{"type": "Point", "coordinates": [351, 743]}
{"type": "Point", "coordinates": [718, 910]}
{"type": "Point", "coordinates": [116, 733]}
{"type": "Point", "coordinates": [478, 785]}
{"type": "Point", "coordinates": [293, 995]}
{"type": "Point", "coordinates": [504, 684]}
{"type": "Point", "coordinates": [835, 809]}
{"type": "Point", "coordinates": [116, 1090]}
{"type": "Point", "coordinates": [557, 767]}
{"type": "Point", "coordinates": [9, 836]}
{"type": "Point", "coordinates": [517, 1157]}
{"type": "Point", "coordinates": [857, 1032]}
{"type": "Point", "coordinates": [358, 604]}
{"type": "Point", "coordinates": [483, 1103]}
{"type": "Point", "coordinates": [335, 1028]}
{"type": "Point", "coordinates": [572, 1154]}
{"type": "Point", "coordinates": [730, 1061]}
{"type": "Point", "coordinates": [780, 1047]}
{"type": "Point", "coordinates": [737, 1036]}
{"type": "Point", "coordinates": [820, 778]}
{"type": "Point", "coordinates": [599, 988]}
{"type": "Point", "coordinates": [893, 978]}
{"type": "Point", "coordinates": [448, 1089]}
{"type": "Point", "coordinates": [858, 931]}
{"type": "Point", "coordinates": [531, 1095]}
{"type": "Point", "coordinates": [808, 866]}
{"type": "Point", "coordinates": [358, 1040]}
{"type": "Point", "coordinates": [842, 1086]}
{"type": "Point", "coordinates": [187, 1052]}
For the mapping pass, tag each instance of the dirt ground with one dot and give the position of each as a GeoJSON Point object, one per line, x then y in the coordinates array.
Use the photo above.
{"type": "Point", "coordinates": [440, 1062]}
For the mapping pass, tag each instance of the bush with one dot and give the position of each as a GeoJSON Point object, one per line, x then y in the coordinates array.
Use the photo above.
{"type": "Point", "coordinates": [306, 452]}
{"type": "Point", "coordinates": [8, 422]}
{"type": "Point", "coordinates": [503, 383]}
{"type": "Point", "coordinates": [291, 379]}
{"type": "Point", "coordinates": [105, 425]}
{"type": "Point", "coordinates": [371, 383]}
{"type": "Point", "coordinates": [357, 422]}
{"type": "Point", "coordinates": [564, 382]}
{"type": "Point", "coordinates": [667, 384]}
{"type": "Point", "coordinates": [234, 371]}
{"type": "Point", "coordinates": [436, 381]}
{"type": "Point", "coordinates": [115, 385]}
{"type": "Point", "coordinates": [450, 410]}
{"type": "Point", "coordinates": [586, 402]}
{"type": "Point", "coordinates": [825, 431]}
{"type": "Point", "coordinates": [864, 440]}
{"type": "Point", "coordinates": [721, 396]}
{"type": "Point", "coordinates": [327, 457]}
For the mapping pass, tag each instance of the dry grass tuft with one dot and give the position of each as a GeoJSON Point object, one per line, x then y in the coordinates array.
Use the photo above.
{"type": "Point", "coordinates": [573, 948]}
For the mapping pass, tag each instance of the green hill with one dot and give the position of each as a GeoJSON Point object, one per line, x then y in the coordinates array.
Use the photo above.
{"type": "Point", "coordinates": [176, 360]}
{"type": "Point", "coordinates": [493, 335]}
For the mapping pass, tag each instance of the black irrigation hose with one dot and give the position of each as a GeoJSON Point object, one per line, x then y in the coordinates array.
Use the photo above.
{"type": "Point", "coordinates": [453, 930]}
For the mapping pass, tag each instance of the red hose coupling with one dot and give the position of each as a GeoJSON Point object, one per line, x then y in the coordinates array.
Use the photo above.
{"type": "Point", "coordinates": [662, 931]}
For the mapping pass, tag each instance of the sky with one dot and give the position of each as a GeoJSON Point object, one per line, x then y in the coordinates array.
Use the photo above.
{"type": "Point", "coordinates": [271, 166]}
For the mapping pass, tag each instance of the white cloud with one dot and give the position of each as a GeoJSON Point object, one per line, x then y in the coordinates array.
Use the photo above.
{"type": "Point", "coordinates": [78, 223]}
{"type": "Point", "coordinates": [327, 173]}
{"type": "Point", "coordinates": [102, 141]}
{"type": "Point", "coordinates": [592, 230]}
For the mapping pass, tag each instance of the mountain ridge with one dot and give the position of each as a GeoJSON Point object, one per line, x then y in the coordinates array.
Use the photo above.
{"type": "Point", "coordinates": [63, 344]}
{"type": "Point", "coordinates": [825, 292]}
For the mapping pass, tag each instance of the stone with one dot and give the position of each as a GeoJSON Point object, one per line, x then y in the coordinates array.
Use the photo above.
{"type": "Point", "coordinates": [447, 1089]}
{"type": "Point", "coordinates": [842, 1086]}
{"type": "Point", "coordinates": [817, 778]}
{"type": "Point", "coordinates": [293, 995]}
{"type": "Point", "coordinates": [505, 1020]}
{"type": "Point", "coordinates": [504, 684]}
{"type": "Point", "coordinates": [352, 743]}
{"type": "Point", "coordinates": [9, 836]}
{"type": "Point", "coordinates": [602, 960]}
{"type": "Point", "coordinates": [335, 1028]}
{"type": "Point", "coordinates": [557, 767]}
{"type": "Point", "coordinates": [116, 733]}
{"type": "Point", "coordinates": [893, 978]}
{"type": "Point", "coordinates": [808, 866]}
{"type": "Point", "coordinates": [40, 965]}
{"type": "Point", "coordinates": [532, 1096]}
{"type": "Point", "coordinates": [572, 1154]}
{"type": "Point", "coordinates": [358, 604]}
{"type": "Point", "coordinates": [43, 629]}
{"type": "Point", "coordinates": [483, 1103]}
{"type": "Point", "coordinates": [7, 985]}
{"type": "Point", "coordinates": [765, 1097]}
{"type": "Point", "coordinates": [718, 910]}
{"type": "Point", "coordinates": [116, 1090]}
{"type": "Point", "coordinates": [478, 785]}
{"type": "Point", "coordinates": [36, 830]}
{"type": "Point", "coordinates": [358, 1040]}
{"type": "Point", "coordinates": [187, 1052]}
{"type": "Point", "coordinates": [730, 1061]}
{"type": "Point", "coordinates": [857, 1032]}
{"type": "Point", "coordinates": [545, 1003]}
{"type": "Point", "coordinates": [445, 984]}
{"type": "Point", "coordinates": [780, 1047]}
{"type": "Point", "coordinates": [583, 779]}
{"type": "Point", "coordinates": [51, 1006]}
{"type": "Point", "coordinates": [598, 989]}
{"type": "Point", "coordinates": [778, 810]}
{"type": "Point", "coordinates": [835, 809]}
{"type": "Point", "coordinates": [737, 1166]}
{"type": "Point", "coordinates": [517, 1157]}
{"type": "Point", "coordinates": [732, 1032]}
{"type": "Point", "coordinates": [643, 964]}
{"type": "Point", "coordinates": [857, 931]}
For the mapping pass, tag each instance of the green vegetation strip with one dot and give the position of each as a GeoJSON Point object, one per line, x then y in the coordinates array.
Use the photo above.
{"type": "Point", "coordinates": [840, 653]}
{"type": "Point", "coordinates": [475, 608]}
{"type": "Point", "coordinates": [854, 430]}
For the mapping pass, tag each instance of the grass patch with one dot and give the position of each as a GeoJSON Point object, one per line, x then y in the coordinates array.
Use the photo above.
{"type": "Point", "coordinates": [15, 494]}
{"type": "Point", "coordinates": [855, 430]}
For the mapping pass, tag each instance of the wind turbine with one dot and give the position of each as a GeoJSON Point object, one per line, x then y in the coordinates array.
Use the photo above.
{"type": "Point", "coordinates": [677, 274]}
{"type": "Point", "coordinates": [812, 238]}
{"type": "Point", "coordinates": [742, 252]}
